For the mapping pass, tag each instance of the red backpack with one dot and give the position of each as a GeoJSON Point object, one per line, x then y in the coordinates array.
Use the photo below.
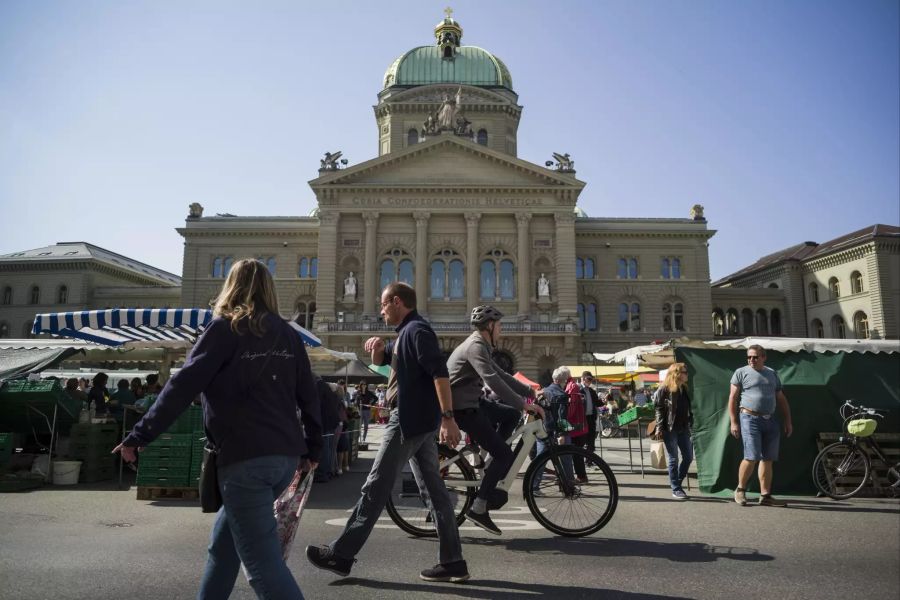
{"type": "Point", "coordinates": [575, 414]}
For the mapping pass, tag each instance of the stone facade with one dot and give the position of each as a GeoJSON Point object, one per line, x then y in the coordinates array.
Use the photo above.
{"type": "Point", "coordinates": [848, 287]}
{"type": "Point", "coordinates": [77, 276]}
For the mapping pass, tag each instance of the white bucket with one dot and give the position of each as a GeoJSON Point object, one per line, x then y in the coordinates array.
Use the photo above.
{"type": "Point", "coordinates": [65, 472]}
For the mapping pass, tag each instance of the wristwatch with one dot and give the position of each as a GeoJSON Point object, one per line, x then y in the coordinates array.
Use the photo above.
{"type": "Point", "coordinates": [447, 414]}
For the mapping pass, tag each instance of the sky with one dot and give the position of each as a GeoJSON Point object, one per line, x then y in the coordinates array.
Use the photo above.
{"type": "Point", "coordinates": [782, 118]}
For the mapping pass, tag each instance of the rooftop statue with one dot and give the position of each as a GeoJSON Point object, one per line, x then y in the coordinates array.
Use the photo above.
{"type": "Point", "coordinates": [331, 161]}
{"type": "Point", "coordinates": [446, 115]}
{"type": "Point", "coordinates": [564, 163]}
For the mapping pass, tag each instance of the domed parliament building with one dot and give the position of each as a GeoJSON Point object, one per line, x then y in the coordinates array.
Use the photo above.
{"type": "Point", "coordinates": [448, 207]}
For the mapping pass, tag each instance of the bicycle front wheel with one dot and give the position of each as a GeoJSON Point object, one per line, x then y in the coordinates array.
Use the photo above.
{"type": "Point", "coordinates": [841, 470]}
{"type": "Point", "coordinates": [607, 428]}
{"type": "Point", "coordinates": [410, 508]}
{"type": "Point", "coordinates": [564, 506]}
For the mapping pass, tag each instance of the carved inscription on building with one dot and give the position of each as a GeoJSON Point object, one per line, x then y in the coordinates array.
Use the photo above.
{"type": "Point", "coordinates": [446, 202]}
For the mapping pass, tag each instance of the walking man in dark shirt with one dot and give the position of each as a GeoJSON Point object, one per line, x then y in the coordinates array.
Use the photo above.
{"type": "Point", "coordinates": [420, 400]}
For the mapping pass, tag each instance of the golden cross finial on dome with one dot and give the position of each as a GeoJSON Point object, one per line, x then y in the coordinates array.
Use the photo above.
{"type": "Point", "coordinates": [448, 11]}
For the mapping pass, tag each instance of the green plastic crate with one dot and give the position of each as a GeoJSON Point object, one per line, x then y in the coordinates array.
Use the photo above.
{"type": "Point", "coordinates": [99, 431]}
{"type": "Point", "coordinates": [19, 399]}
{"type": "Point", "coordinates": [196, 415]}
{"type": "Point", "coordinates": [634, 413]}
{"type": "Point", "coordinates": [162, 481]}
{"type": "Point", "coordinates": [167, 461]}
{"type": "Point", "coordinates": [173, 440]}
{"type": "Point", "coordinates": [163, 471]}
{"type": "Point", "coordinates": [90, 451]}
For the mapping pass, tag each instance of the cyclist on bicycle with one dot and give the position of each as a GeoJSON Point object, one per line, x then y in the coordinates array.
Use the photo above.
{"type": "Point", "coordinates": [471, 367]}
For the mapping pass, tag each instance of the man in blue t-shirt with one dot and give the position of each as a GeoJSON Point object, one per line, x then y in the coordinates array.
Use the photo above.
{"type": "Point", "coordinates": [754, 420]}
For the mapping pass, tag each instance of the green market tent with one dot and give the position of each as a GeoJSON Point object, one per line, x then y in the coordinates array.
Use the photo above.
{"type": "Point", "coordinates": [816, 384]}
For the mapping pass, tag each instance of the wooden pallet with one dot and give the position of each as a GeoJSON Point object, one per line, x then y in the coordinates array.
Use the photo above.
{"type": "Point", "coordinates": [167, 493]}
{"type": "Point", "coordinates": [878, 485]}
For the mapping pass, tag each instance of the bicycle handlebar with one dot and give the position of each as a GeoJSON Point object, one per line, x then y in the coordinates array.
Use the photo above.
{"type": "Point", "coordinates": [859, 410]}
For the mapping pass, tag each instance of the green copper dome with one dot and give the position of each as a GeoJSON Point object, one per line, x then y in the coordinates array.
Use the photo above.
{"type": "Point", "coordinates": [469, 65]}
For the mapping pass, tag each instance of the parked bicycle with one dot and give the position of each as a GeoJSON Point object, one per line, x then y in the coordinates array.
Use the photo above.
{"type": "Point", "coordinates": [843, 468]}
{"type": "Point", "coordinates": [555, 499]}
{"type": "Point", "coordinates": [609, 424]}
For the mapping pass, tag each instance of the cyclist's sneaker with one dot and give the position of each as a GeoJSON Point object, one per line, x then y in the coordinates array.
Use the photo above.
{"type": "Point", "coordinates": [484, 521]}
{"type": "Point", "coordinates": [740, 496]}
{"type": "Point", "coordinates": [323, 558]}
{"type": "Point", "coordinates": [679, 495]}
{"type": "Point", "coordinates": [768, 500]}
{"type": "Point", "coordinates": [581, 479]}
{"type": "Point", "coordinates": [455, 572]}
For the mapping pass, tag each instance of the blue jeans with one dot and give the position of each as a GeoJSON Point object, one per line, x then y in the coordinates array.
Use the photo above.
{"type": "Point", "coordinates": [675, 441]}
{"type": "Point", "coordinates": [326, 464]}
{"type": "Point", "coordinates": [395, 451]}
{"type": "Point", "coordinates": [244, 531]}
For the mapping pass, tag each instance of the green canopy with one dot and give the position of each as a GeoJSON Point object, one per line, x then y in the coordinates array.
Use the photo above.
{"type": "Point", "coordinates": [815, 383]}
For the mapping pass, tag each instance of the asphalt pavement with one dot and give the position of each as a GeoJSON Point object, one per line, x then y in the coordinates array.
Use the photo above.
{"type": "Point", "coordinates": [96, 541]}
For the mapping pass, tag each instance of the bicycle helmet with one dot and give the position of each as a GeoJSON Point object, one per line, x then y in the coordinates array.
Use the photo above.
{"type": "Point", "coordinates": [484, 314]}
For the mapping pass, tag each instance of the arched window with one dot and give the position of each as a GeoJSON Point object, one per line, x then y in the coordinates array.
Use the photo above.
{"type": "Point", "coordinates": [747, 322]}
{"type": "Point", "coordinates": [4, 329]}
{"type": "Point", "coordinates": [303, 271]}
{"type": "Point", "coordinates": [731, 322]}
{"type": "Point", "coordinates": [270, 265]}
{"type": "Point", "coordinates": [834, 286]}
{"type": "Point", "coordinates": [838, 327]}
{"type": "Point", "coordinates": [396, 266]}
{"type": "Point", "coordinates": [304, 312]}
{"type": "Point", "coordinates": [62, 296]}
{"type": "Point", "coordinates": [773, 285]}
{"type": "Point", "coordinates": [35, 295]}
{"type": "Point", "coordinates": [7, 295]}
{"type": "Point", "coordinates": [665, 268]}
{"type": "Point", "coordinates": [718, 322]}
{"type": "Point", "coordinates": [313, 268]}
{"type": "Point", "coordinates": [581, 323]}
{"type": "Point", "coordinates": [412, 137]}
{"type": "Point", "coordinates": [217, 267]}
{"type": "Point", "coordinates": [590, 317]}
{"type": "Point", "coordinates": [622, 268]}
{"type": "Point", "coordinates": [676, 268]}
{"type": "Point", "coordinates": [670, 267]}
{"type": "Point", "coordinates": [817, 329]}
{"type": "Point", "coordinates": [579, 268]}
{"type": "Point", "coordinates": [762, 322]}
{"type": "Point", "coordinates": [629, 316]}
{"type": "Point", "coordinates": [497, 276]}
{"type": "Point", "coordinates": [856, 282]}
{"type": "Point", "coordinates": [457, 280]}
{"type": "Point", "coordinates": [861, 325]}
{"type": "Point", "coordinates": [673, 316]}
{"type": "Point", "coordinates": [813, 293]}
{"type": "Point", "coordinates": [437, 279]}
{"type": "Point", "coordinates": [482, 137]}
{"type": "Point", "coordinates": [632, 268]}
{"type": "Point", "coordinates": [588, 268]}
{"type": "Point", "coordinates": [226, 265]}
{"type": "Point", "coordinates": [775, 318]}
{"type": "Point", "coordinates": [488, 277]}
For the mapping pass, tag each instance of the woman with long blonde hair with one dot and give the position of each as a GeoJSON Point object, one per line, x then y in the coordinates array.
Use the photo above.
{"type": "Point", "coordinates": [673, 422]}
{"type": "Point", "coordinates": [254, 375]}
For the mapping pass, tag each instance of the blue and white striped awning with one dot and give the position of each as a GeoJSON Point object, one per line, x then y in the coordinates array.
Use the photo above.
{"type": "Point", "coordinates": [144, 327]}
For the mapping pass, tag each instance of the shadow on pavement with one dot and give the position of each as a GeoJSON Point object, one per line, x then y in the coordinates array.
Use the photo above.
{"type": "Point", "coordinates": [492, 589]}
{"type": "Point", "coordinates": [674, 501]}
{"type": "Point", "coordinates": [837, 506]}
{"type": "Point", "coordinates": [676, 552]}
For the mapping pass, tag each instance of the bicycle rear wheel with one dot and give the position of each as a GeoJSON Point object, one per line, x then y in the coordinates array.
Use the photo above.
{"type": "Point", "coordinates": [607, 428]}
{"type": "Point", "coordinates": [410, 509]}
{"type": "Point", "coordinates": [841, 470]}
{"type": "Point", "coordinates": [563, 506]}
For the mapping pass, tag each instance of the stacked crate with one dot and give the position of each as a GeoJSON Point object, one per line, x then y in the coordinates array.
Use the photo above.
{"type": "Point", "coordinates": [166, 462]}
{"type": "Point", "coordinates": [6, 450]}
{"type": "Point", "coordinates": [92, 444]}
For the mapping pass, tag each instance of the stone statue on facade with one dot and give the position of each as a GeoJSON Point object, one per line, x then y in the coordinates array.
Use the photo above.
{"type": "Point", "coordinates": [350, 286]}
{"type": "Point", "coordinates": [697, 212]}
{"type": "Point", "coordinates": [450, 107]}
{"type": "Point", "coordinates": [564, 163]}
{"type": "Point", "coordinates": [332, 161]}
{"type": "Point", "coordinates": [543, 285]}
{"type": "Point", "coordinates": [463, 126]}
{"type": "Point", "coordinates": [195, 210]}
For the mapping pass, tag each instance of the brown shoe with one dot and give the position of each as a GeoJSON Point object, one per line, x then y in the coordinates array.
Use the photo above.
{"type": "Point", "coordinates": [740, 496]}
{"type": "Point", "coordinates": [769, 500]}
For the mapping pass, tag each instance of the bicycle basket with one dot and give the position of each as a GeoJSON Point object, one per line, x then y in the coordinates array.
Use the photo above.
{"type": "Point", "coordinates": [861, 427]}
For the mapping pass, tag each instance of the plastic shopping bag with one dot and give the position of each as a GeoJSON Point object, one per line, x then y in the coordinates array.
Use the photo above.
{"type": "Point", "coordinates": [658, 455]}
{"type": "Point", "coordinates": [288, 508]}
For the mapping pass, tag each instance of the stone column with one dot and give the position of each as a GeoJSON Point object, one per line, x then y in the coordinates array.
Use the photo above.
{"type": "Point", "coordinates": [370, 289]}
{"type": "Point", "coordinates": [472, 260]}
{"type": "Point", "coordinates": [326, 289]}
{"type": "Point", "coordinates": [566, 292]}
{"type": "Point", "coordinates": [421, 218]}
{"type": "Point", "coordinates": [524, 262]}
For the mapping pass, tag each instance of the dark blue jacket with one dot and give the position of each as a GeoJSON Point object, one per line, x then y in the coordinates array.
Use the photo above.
{"type": "Point", "coordinates": [557, 401]}
{"type": "Point", "coordinates": [419, 362]}
{"type": "Point", "coordinates": [249, 404]}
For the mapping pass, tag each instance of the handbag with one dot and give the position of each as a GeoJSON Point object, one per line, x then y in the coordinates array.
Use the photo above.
{"type": "Point", "coordinates": [208, 486]}
{"type": "Point", "coordinates": [658, 455]}
{"type": "Point", "coordinates": [288, 508]}
{"type": "Point", "coordinates": [210, 494]}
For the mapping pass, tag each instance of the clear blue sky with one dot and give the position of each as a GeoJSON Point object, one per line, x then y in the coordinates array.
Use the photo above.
{"type": "Point", "coordinates": [780, 117]}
